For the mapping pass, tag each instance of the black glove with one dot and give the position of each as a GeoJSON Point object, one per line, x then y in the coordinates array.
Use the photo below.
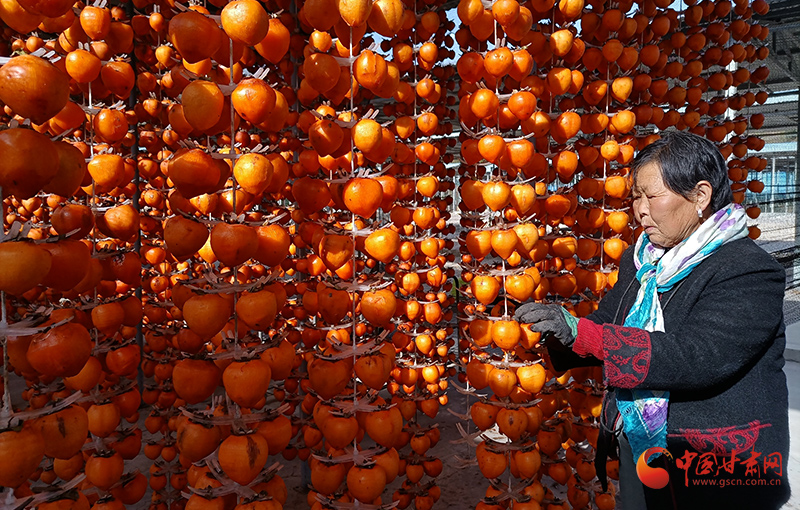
{"type": "Point", "coordinates": [549, 319]}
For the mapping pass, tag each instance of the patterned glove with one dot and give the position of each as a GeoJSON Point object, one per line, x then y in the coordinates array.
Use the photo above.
{"type": "Point", "coordinates": [549, 319]}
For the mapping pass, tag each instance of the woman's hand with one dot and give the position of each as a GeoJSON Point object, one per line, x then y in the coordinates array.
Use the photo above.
{"type": "Point", "coordinates": [552, 319]}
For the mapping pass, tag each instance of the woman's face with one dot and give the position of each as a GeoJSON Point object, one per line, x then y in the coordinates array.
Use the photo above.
{"type": "Point", "coordinates": [667, 217]}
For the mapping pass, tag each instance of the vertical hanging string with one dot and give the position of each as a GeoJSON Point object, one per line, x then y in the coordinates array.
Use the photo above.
{"type": "Point", "coordinates": [132, 100]}
{"type": "Point", "coordinates": [414, 267]}
{"type": "Point", "coordinates": [233, 160]}
{"type": "Point", "coordinates": [93, 203]}
{"type": "Point", "coordinates": [549, 137]}
{"type": "Point", "coordinates": [501, 219]}
{"type": "Point", "coordinates": [496, 89]}
{"type": "Point", "coordinates": [353, 232]}
{"type": "Point", "coordinates": [90, 126]}
{"type": "Point", "coordinates": [605, 176]}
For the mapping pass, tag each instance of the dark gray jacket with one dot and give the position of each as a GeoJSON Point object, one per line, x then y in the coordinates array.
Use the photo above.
{"type": "Point", "coordinates": [721, 358]}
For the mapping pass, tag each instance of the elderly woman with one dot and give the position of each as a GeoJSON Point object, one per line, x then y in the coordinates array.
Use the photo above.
{"type": "Point", "coordinates": [691, 342]}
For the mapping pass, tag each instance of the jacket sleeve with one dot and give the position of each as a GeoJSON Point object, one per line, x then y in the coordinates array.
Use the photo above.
{"type": "Point", "coordinates": [735, 319]}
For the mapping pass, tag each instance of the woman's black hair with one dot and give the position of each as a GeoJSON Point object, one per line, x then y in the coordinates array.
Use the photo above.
{"type": "Point", "coordinates": [686, 159]}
